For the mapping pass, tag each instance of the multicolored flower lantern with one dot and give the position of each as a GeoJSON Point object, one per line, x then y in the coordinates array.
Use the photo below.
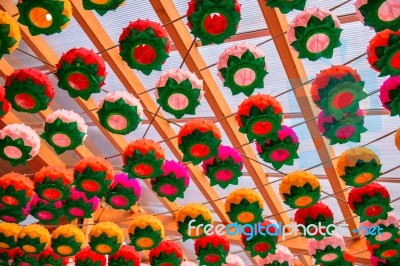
{"type": "Point", "coordinates": [285, 6]}
{"type": "Point", "coordinates": [33, 238]}
{"type": "Point", "coordinates": [390, 95]}
{"type": "Point", "coordinates": [81, 72]}
{"type": "Point", "coordinates": [120, 112]}
{"type": "Point", "coordinates": [380, 15]}
{"type": "Point", "coordinates": [106, 238]}
{"type": "Point", "coordinates": [282, 151]}
{"type": "Point", "coordinates": [384, 53]}
{"type": "Point", "coordinates": [102, 7]}
{"type": "Point", "coordinates": [93, 176]}
{"type": "Point", "coordinates": [11, 36]}
{"type": "Point", "coordinates": [358, 166]}
{"type": "Point", "coordinates": [282, 257]}
{"type": "Point", "coordinates": [193, 211]}
{"type": "Point", "coordinates": [397, 139]}
{"type": "Point", "coordinates": [144, 45]}
{"type": "Point", "coordinates": [9, 235]}
{"type": "Point", "coordinates": [123, 192]}
{"type": "Point", "coordinates": [328, 251]}
{"type": "Point", "coordinates": [78, 205]}
{"type": "Point", "coordinates": [46, 212]}
{"type": "Point", "coordinates": [264, 242]}
{"type": "Point", "coordinates": [371, 202]}
{"type": "Point", "coordinates": [348, 259]}
{"type": "Point", "coordinates": [166, 253]}
{"type": "Point", "coordinates": [146, 232]}
{"type": "Point", "coordinates": [213, 21]}
{"type": "Point", "coordinates": [125, 256]}
{"type": "Point", "coordinates": [67, 240]}
{"type": "Point", "coordinates": [242, 68]}
{"type": "Point", "coordinates": [198, 140]}
{"type": "Point", "coordinates": [224, 169]}
{"type": "Point", "coordinates": [244, 206]}
{"type": "Point", "coordinates": [143, 159]}
{"type": "Point", "coordinates": [4, 104]}
{"type": "Point", "coordinates": [212, 249]}
{"type": "Point", "coordinates": [315, 33]}
{"type": "Point", "coordinates": [19, 257]}
{"type": "Point", "coordinates": [300, 189]}
{"type": "Point", "coordinates": [179, 92]}
{"type": "Point", "coordinates": [18, 144]}
{"type": "Point", "coordinates": [15, 191]}
{"type": "Point", "coordinates": [385, 253]}
{"type": "Point", "coordinates": [14, 215]}
{"type": "Point", "coordinates": [260, 117]}
{"type": "Point", "coordinates": [87, 257]}
{"type": "Point", "coordinates": [49, 257]}
{"type": "Point", "coordinates": [318, 214]}
{"type": "Point", "coordinates": [173, 182]}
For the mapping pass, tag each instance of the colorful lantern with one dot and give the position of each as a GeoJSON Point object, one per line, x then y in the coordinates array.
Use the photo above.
{"type": "Point", "coordinates": [81, 72]}
{"type": "Point", "coordinates": [328, 251]}
{"type": "Point", "coordinates": [5, 256]}
{"type": "Point", "coordinates": [242, 68]}
{"type": "Point", "coordinates": [285, 6]}
{"type": "Point", "coordinates": [234, 260]}
{"type": "Point", "coordinates": [282, 257]}
{"type": "Point", "coordinates": [300, 189]}
{"type": "Point", "coordinates": [67, 240]}
{"type": "Point", "coordinates": [49, 257]}
{"type": "Point", "coordinates": [14, 215]}
{"type": "Point", "coordinates": [260, 117]}
{"type": "Point", "coordinates": [397, 139]}
{"type": "Point", "coordinates": [11, 36]}
{"type": "Point", "coordinates": [388, 235]}
{"type": "Point", "coordinates": [263, 243]}
{"type": "Point", "coordinates": [244, 206]}
{"type": "Point", "coordinates": [193, 211]}
{"type": "Point", "coordinates": [4, 104]}
{"type": "Point", "coordinates": [15, 190]}
{"type": "Point", "coordinates": [386, 254]}
{"type": "Point", "coordinates": [213, 21]}
{"type": "Point", "coordinates": [198, 140]}
{"type": "Point", "coordinates": [143, 159]}
{"type": "Point", "coordinates": [78, 205]}
{"type": "Point", "coordinates": [390, 95]}
{"type": "Point", "coordinates": [212, 249]}
{"type": "Point", "coordinates": [46, 212]}
{"type": "Point", "coordinates": [179, 92]}
{"type": "Point", "coordinates": [380, 15]}
{"type": "Point", "coordinates": [19, 257]}
{"type": "Point", "coordinates": [358, 166]}
{"type": "Point", "coordinates": [33, 239]}
{"type": "Point", "coordinates": [224, 169]}
{"type": "Point", "coordinates": [144, 45]}
{"type": "Point", "coordinates": [106, 238]}
{"type": "Point", "coordinates": [146, 232]}
{"type": "Point", "coordinates": [371, 202]}
{"type": "Point", "coordinates": [125, 256]}
{"type": "Point", "coordinates": [120, 112]}
{"type": "Point", "coordinates": [102, 7]}
{"type": "Point", "coordinates": [9, 235]}
{"type": "Point", "coordinates": [123, 192]}
{"type": "Point", "coordinates": [173, 182]}
{"type": "Point", "coordinates": [18, 144]}
{"type": "Point", "coordinates": [87, 257]}
{"type": "Point", "coordinates": [167, 253]}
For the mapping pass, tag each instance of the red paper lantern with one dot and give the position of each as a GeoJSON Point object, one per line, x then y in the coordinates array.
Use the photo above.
{"type": "Point", "coordinates": [212, 249]}
{"type": "Point", "coordinates": [168, 253]}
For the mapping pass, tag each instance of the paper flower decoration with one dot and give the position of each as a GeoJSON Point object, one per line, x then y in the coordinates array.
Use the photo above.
{"type": "Point", "coordinates": [78, 205]}
{"type": "Point", "coordinates": [193, 211]}
{"type": "Point", "coordinates": [46, 212]}
{"type": "Point", "coordinates": [81, 72]}
{"type": "Point", "coordinates": [123, 192]}
{"type": "Point", "coordinates": [15, 190]}
{"type": "Point", "coordinates": [49, 257]}
{"type": "Point", "coordinates": [167, 253]}
{"type": "Point", "coordinates": [264, 242]}
{"type": "Point", "coordinates": [224, 169]}
{"type": "Point", "coordinates": [379, 15]}
{"type": "Point", "coordinates": [198, 140]}
{"type": "Point", "coordinates": [212, 249]}
{"type": "Point", "coordinates": [143, 159]}
{"type": "Point", "coordinates": [144, 45]}
{"type": "Point", "coordinates": [397, 139]}
{"type": "Point", "coordinates": [282, 257]}
{"type": "Point", "coordinates": [386, 254]}
{"type": "Point", "coordinates": [87, 257]}
{"type": "Point", "coordinates": [102, 7]}
{"type": "Point", "coordinates": [285, 6]}
{"type": "Point", "coordinates": [4, 104]}
{"type": "Point", "coordinates": [371, 202]}
{"type": "Point", "coordinates": [282, 151]}
{"type": "Point", "coordinates": [213, 21]}
{"type": "Point", "coordinates": [173, 182]}
{"type": "Point", "coordinates": [179, 92]}
{"type": "Point", "coordinates": [146, 232]}
{"type": "Point", "coordinates": [9, 235]}
{"type": "Point", "coordinates": [11, 36]}
{"type": "Point", "coordinates": [19, 257]}
{"type": "Point", "coordinates": [242, 68]}
{"type": "Point", "coordinates": [120, 112]}
{"type": "Point", "coordinates": [260, 117]}
{"type": "Point", "coordinates": [125, 256]}
{"type": "Point", "coordinates": [390, 95]}
{"type": "Point", "coordinates": [29, 90]}
{"type": "Point", "coordinates": [358, 166]}
{"type": "Point", "coordinates": [33, 238]}
{"type": "Point", "coordinates": [14, 215]}
{"type": "Point", "coordinates": [315, 33]}
{"type": "Point", "coordinates": [384, 53]}
{"type": "Point", "coordinates": [244, 206]}
{"type": "Point", "coordinates": [389, 233]}
{"type": "Point", "coordinates": [106, 238]}
{"type": "Point", "coordinates": [328, 251]}
{"type": "Point", "coordinates": [67, 240]}
{"type": "Point", "coordinates": [318, 214]}
{"type": "Point", "coordinates": [93, 176]}
{"type": "Point", "coordinates": [234, 260]}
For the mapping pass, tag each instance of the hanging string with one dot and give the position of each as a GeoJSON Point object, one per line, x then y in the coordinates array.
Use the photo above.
{"type": "Point", "coordinates": [37, 58]}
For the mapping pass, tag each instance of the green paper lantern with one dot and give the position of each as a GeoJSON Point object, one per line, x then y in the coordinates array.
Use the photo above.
{"type": "Point", "coordinates": [102, 7]}
{"type": "Point", "coordinates": [285, 6]}
{"type": "Point", "coordinates": [384, 52]}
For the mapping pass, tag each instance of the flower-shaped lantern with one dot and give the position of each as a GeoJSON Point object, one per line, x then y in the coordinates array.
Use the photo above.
{"type": "Point", "coordinates": [212, 250]}
{"type": "Point", "coordinates": [9, 235]}
{"type": "Point", "coordinates": [234, 260]}
{"type": "Point", "coordinates": [67, 240]}
{"type": "Point", "coordinates": [33, 239]}
{"type": "Point", "coordinates": [125, 256]}
{"type": "Point", "coordinates": [146, 232]}
{"type": "Point", "coordinates": [46, 212]}
{"type": "Point", "coordinates": [78, 205]}
{"type": "Point", "coordinates": [380, 14]}
{"type": "Point", "coordinates": [244, 206]}
{"type": "Point", "coordinates": [15, 191]}
{"type": "Point", "coordinates": [49, 257]}
{"type": "Point", "coordinates": [102, 7]}
{"type": "Point", "coordinates": [11, 36]}
{"type": "Point", "coordinates": [106, 238]}
{"type": "Point", "coordinates": [4, 104]}
{"type": "Point", "coordinates": [14, 215]}
{"type": "Point", "coordinates": [262, 243]}
{"type": "Point", "coordinates": [390, 95]}
{"type": "Point", "coordinates": [124, 192]}
{"type": "Point", "coordinates": [194, 214]}
{"type": "Point", "coordinates": [166, 253]}
{"type": "Point", "coordinates": [87, 257]}
{"type": "Point", "coordinates": [282, 257]}
{"type": "Point", "coordinates": [285, 6]}
{"type": "Point", "coordinates": [328, 251]}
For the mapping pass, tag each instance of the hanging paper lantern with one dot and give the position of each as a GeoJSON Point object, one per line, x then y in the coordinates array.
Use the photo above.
{"type": "Point", "coordinates": [19, 257]}
{"type": "Point", "coordinates": [315, 33]}
{"type": "Point", "coordinates": [328, 251]}
{"type": "Point", "coordinates": [348, 259]}
{"type": "Point", "coordinates": [67, 240]}
{"type": "Point", "coordinates": [81, 72]}
{"type": "Point", "coordinates": [282, 151]}
{"type": "Point", "coordinates": [179, 92]}
{"type": "Point", "coordinates": [384, 53]}
{"type": "Point", "coordinates": [282, 257]}
{"type": "Point", "coordinates": [242, 68]}
{"type": "Point", "coordinates": [224, 169]}
{"type": "Point", "coordinates": [46, 212]}
{"type": "Point", "coordinates": [167, 253]}
{"type": "Point", "coordinates": [316, 215]}
{"type": "Point", "coordinates": [358, 166]}
{"type": "Point", "coordinates": [234, 260]}
{"type": "Point", "coordinates": [380, 14]}
{"type": "Point", "coordinates": [390, 95]}
{"type": "Point", "coordinates": [11, 36]}
{"type": "Point", "coordinates": [64, 130]}
{"type": "Point", "coordinates": [144, 45]}
{"type": "Point", "coordinates": [244, 206]}
{"type": "Point", "coordinates": [262, 243]}
{"type": "Point", "coordinates": [78, 205]}
{"type": "Point", "coordinates": [18, 144]}
{"type": "Point", "coordinates": [285, 6]}
{"type": "Point", "coordinates": [146, 232]}
{"type": "Point", "coordinates": [397, 139]}
{"type": "Point", "coordinates": [4, 104]}
{"type": "Point", "coordinates": [125, 256]}
{"type": "Point", "coordinates": [143, 159]}
{"type": "Point", "coordinates": [371, 202]}
{"type": "Point", "coordinates": [260, 117]}
{"type": "Point", "coordinates": [9, 235]}
{"type": "Point", "coordinates": [14, 215]}
{"type": "Point", "coordinates": [93, 176]}
{"type": "Point", "coordinates": [49, 257]}
{"type": "Point", "coordinates": [106, 238]}
{"type": "Point", "coordinates": [389, 253]}
{"type": "Point", "coordinates": [102, 7]}
{"type": "Point", "coordinates": [193, 211]}
{"type": "Point", "coordinates": [123, 192]}
{"type": "Point", "coordinates": [33, 238]}
{"type": "Point", "coordinates": [120, 112]}
{"type": "Point", "coordinates": [213, 21]}
{"type": "Point", "coordinates": [87, 257]}
{"type": "Point", "coordinates": [212, 249]}
{"type": "Point", "coordinates": [15, 190]}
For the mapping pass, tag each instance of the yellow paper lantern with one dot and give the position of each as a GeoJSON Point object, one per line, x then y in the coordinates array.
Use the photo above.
{"type": "Point", "coordinates": [67, 240]}
{"type": "Point", "coordinates": [9, 235]}
{"type": "Point", "coordinates": [33, 239]}
{"type": "Point", "coordinates": [397, 139]}
{"type": "Point", "coordinates": [195, 214]}
{"type": "Point", "coordinates": [106, 238]}
{"type": "Point", "coordinates": [244, 206]}
{"type": "Point", "coordinates": [11, 36]}
{"type": "Point", "coordinates": [146, 232]}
